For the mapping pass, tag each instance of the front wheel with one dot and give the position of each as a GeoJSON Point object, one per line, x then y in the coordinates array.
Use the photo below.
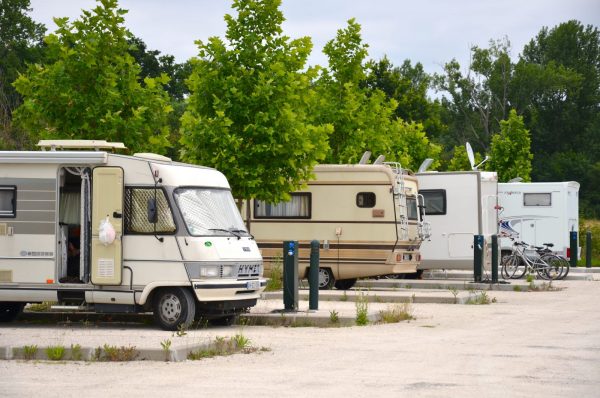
{"type": "Point", "coordinates": [174, 308]}
{"type": "Point", "coordinates": [10, 311]}
{"type": "Point", "coordinates": [344, 284]}
{"type": "Point", "coordinates": [326, 279]}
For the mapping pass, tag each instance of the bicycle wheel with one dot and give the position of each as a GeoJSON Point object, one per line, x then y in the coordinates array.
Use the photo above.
{"type": "Point", "coordinates": [512, 267]}
{"type": "Point", "coordinates": [549, 266]}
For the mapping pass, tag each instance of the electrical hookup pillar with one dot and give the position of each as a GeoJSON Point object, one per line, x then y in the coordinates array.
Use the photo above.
{"type": "Point", "coordinates": [477, 257]}
{"type": "Point", "coordinates": [313, 276]}
{"type": "Point", "coordinates": [573, 248]}
{"type": "Point", "coordinates": [290, 275]}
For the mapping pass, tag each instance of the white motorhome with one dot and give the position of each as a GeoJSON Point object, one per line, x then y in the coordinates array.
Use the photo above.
{"type": "Point", "coordinates": [538, 213]}
{"type": "Point", "coordinates": [458, 205]}
{"type": "Point", "coordinates": [365, 216]}
{"type": "Point", "coordinates": [172, 240]}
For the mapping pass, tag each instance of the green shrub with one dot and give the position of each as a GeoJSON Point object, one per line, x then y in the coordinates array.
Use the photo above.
{"type": "Point", "coordinates": [55, 353]}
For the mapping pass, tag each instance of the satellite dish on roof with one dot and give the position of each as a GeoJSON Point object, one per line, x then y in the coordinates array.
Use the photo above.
{"type": "Point", "coordinates": [365, 157]}
{"type": "Point", "coordinates": [380, 159]}
{"type": "Point", "coordinates": [425, 165]}
{"type": "Point", "coordinates": [471, 156]}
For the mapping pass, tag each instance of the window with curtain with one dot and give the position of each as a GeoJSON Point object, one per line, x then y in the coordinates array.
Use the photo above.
{"type": "Point", "coordinates": [299, 206]}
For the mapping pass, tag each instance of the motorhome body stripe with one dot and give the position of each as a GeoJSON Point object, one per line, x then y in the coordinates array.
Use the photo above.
{"type": "Point", "coordinates": [341, 246]}
{"type": "Point", "coordinates": [304, 221]}
{"type": "Point", "coordinates": [334, 260]}
{"type": "Point", "coordinates": [336, 183]}
{"type": "Point", "coordinates": [30, 184]}
{"type": "Point", "coordinates": [32, 227]}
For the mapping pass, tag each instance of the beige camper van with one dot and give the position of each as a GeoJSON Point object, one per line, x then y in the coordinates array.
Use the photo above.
{"type": "Point", "coordinates": [365, 216]}
{"type": "Point", "coordinates": [97, 231]}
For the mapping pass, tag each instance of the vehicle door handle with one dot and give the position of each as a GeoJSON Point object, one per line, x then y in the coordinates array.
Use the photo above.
{"type": "Point", "coordinates": [116, 214]}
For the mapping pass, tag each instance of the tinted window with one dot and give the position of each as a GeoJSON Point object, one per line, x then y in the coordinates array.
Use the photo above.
{"type": "Point", "coordinates": [365, 199]}
{"type": "Point", "coordinates": [411, 207]}
{"type": "Point", "coordinates": [8, 201]}
{"type": "Point", "coordinates": [299, 206]}
{"type": "Point", "coordinates": [435, 201]}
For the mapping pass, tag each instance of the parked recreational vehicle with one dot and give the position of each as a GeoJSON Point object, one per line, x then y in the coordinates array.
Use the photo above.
{"type": "Point", "coordinates": [539, 212]}
{"type": "Point", "coordinates": [458, 205]}
{"type": "Point", "coordinates": [111, 233]}
{"type": "Point", "coordinates": [365, 217]}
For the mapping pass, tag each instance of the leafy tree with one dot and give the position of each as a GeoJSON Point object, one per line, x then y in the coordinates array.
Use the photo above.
{"type": "Point", "coordinates": [460, 159]}
{"type": "Point", "coordinates": [248, 110]}
{"type": "Point", "coordinates": [21, 42]}
{"type": "Point", "coordinates": [411, 145]}
{"type": "Point", "coordinates": [408, 85]}
{"type": "Point", "coordinates": [510, 152]}
{"type": "Point", "coordinates": [89, 88]}
{"type": "Point", "coordinates": [362, 117]}
{"type": "Point", "coordinates": [479, 100]}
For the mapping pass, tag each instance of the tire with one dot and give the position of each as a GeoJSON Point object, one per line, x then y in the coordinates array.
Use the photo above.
{"type": "Point", "coordinates": [344, 284]}
{"type": "Point", "coordinates": [513, 267]}
{"type": "Point", "coordinates": [552, 267]}
{"type": "Point", "coordinates": [10, 311]}
{"type": "Point", "coordinates": [326, 279]}
{"type": "Point", "coordinates": [174, 308]}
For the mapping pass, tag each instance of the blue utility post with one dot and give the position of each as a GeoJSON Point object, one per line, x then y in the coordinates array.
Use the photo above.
{"type": "Point", "coordinates": [313, 276]}
{"type": "Point", "coordinates": [290, 275]}
{"type": "Point", "coordinates": [477, 257]}
{"type": "Point", "coordinates": [573, 246]}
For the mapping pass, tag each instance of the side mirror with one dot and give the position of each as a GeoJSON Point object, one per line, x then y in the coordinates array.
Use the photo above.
{"type": "Point", "coordinates": [152, 211]}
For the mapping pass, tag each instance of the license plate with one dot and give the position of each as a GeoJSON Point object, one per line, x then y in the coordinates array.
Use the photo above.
{"type": "Point", "coordinates": [253, 285]}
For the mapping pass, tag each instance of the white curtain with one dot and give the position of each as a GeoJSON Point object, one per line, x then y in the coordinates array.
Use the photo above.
{"type": "Point", "coordinates": [69, 208]}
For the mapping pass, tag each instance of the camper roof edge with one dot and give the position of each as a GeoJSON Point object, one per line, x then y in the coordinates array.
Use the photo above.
{"type": "Point", "coordinates": [80, 144]}
{"type": "Point", "coordinates": [56, 157]}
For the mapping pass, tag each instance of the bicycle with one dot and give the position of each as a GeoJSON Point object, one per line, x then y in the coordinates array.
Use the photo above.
{"type": "Point", "coordinates": [547, 253]}
{"type": "Point", "coordinates": [526, 259]}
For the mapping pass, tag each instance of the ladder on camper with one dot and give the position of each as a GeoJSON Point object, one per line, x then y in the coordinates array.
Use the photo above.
{"type": "Point", "coordinates": [400, 194]}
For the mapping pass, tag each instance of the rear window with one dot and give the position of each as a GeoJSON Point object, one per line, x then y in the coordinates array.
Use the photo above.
{"type": "Point", "coordinates": [366, 199]}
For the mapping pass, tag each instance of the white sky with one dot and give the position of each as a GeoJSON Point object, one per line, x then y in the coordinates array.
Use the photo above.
{"type": "Point", "coordinates": [428, 31]}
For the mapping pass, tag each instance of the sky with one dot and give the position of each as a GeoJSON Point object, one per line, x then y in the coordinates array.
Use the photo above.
{"type": "Point", "coordinates": [431, 32]}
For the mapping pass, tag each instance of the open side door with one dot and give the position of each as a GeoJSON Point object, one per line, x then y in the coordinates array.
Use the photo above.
{"type": "Point", "coordinates": [107, 201]}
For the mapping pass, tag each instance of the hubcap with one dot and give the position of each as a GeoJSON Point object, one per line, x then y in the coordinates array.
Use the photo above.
{"type": "Point", "coordinates": [323, 278]}
{"type": "Point", "coordinates": [170, 308]}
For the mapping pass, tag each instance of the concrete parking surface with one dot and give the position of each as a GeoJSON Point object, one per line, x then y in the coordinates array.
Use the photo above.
{"type": "Point", "coordinates": [525, 344]}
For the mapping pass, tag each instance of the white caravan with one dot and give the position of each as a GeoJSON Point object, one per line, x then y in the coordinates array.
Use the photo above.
{"type": "Point", "coordinates": [112, 233]}
{"type": "Point", "coordinates": [364, 215]}
{"type": "Point", "coordinates": [538, 213]}
{"type": "Point", "coordinates": [458, 205]}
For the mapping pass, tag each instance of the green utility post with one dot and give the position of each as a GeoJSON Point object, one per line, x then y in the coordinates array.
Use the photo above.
{"type": "Point", "coordinates": [313, 276]}
{"type": "Point", "coordinates": [494, 258]}
{"type": "Point", "coordinates": [588, 249]}
{"type": "Point", "coordinates": [290, 275]}
{"type": "Point", "coordinates": [477, 257]}
{"type": "Point", "coordinates": [574, 249]}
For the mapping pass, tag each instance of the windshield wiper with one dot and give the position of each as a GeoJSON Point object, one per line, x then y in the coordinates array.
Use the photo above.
{"type": "Point", "coordinates": [231, 231]}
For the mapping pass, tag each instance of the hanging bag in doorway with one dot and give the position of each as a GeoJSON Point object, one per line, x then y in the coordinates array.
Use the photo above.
{"type": "Point", "coordinates": [106, 233]}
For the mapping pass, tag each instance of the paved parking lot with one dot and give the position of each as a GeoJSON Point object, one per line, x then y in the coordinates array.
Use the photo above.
{"type": "Point", "coordinates": [524, 344]}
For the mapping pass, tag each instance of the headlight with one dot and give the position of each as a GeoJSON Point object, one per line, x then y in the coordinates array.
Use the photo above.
{"type": "Point", "coordinates": [209, 271]}
{"type": "Point", "coordinates": [227, 271]}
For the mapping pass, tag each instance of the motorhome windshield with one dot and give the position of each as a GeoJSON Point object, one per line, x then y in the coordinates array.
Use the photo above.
{"type": "Point", "coordinates": [209, 212]}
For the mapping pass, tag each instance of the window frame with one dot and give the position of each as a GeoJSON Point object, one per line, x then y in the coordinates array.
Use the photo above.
{"type": "Point", "coordinates": [126, 216]}
{"type": "Point", "coordinates": [444, 211]}
{"type": "Point", "coordinates": [366, 193]}
{"type": "Point", "coordinates": [525, 194]}
{"type": "Point", "coordinates": [416, 217]}
{"type": "Point", "coordinates": [9, 188]}
{"type": "Point", "coordinates": [297, 194]}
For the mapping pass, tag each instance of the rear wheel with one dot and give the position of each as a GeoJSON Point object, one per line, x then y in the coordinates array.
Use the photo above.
{"type": "Point", "coordinates": [326, 279]}
{"type": "Point", "coordinates": [174, 308]}
{"type": "Point", "coordinates": [344, 284]}
{"type": "Point", "coordinates": [10, 311]}
{"type": "Point", "coordinates": [552, 267]}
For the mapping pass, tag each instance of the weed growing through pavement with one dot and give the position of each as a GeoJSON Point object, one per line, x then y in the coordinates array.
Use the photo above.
{"type": "Point", "coordinates": [397, 313]}
{"type": "Point", "coordinates": [113, 353]}
{"type": "Point", "coordinates": [222, 346]}
{"type": "Point", "coordinates": [55, 353]}
{"type": "Point", "coordinates": [480, 299]}
{"type": "Point", "coordinates": [275, 283]}
{"type": "Point", "coordinates": [181, 331]}
{"type": "Point", "coordinates": [166, 346]}
{"type": "Point", "coordinates": [362, 310]}
{"type": "Point", "coordinates": [334, 317]}
{"type": "Point", "coordinates": [30, 351]}
{"type": "Point", "coordinates": [76, 354]}
{"type": "Point", "coordinates": [344, 296]}
{"type": "Point", "coordinates": [517, 288]}
{"type": "Point", "coordinates": [454, 292]}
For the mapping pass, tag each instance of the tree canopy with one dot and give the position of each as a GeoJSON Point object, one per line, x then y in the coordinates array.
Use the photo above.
{"type": "Point", "coordinates": [248, 111]}
{"type": "Point", "coordinates": [88, 86]}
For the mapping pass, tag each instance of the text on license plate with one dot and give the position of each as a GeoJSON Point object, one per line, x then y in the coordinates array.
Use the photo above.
{"type": "Point", "coordinates": [252, 285]}
{"type": "Point", "coordinates": [249, 269]}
